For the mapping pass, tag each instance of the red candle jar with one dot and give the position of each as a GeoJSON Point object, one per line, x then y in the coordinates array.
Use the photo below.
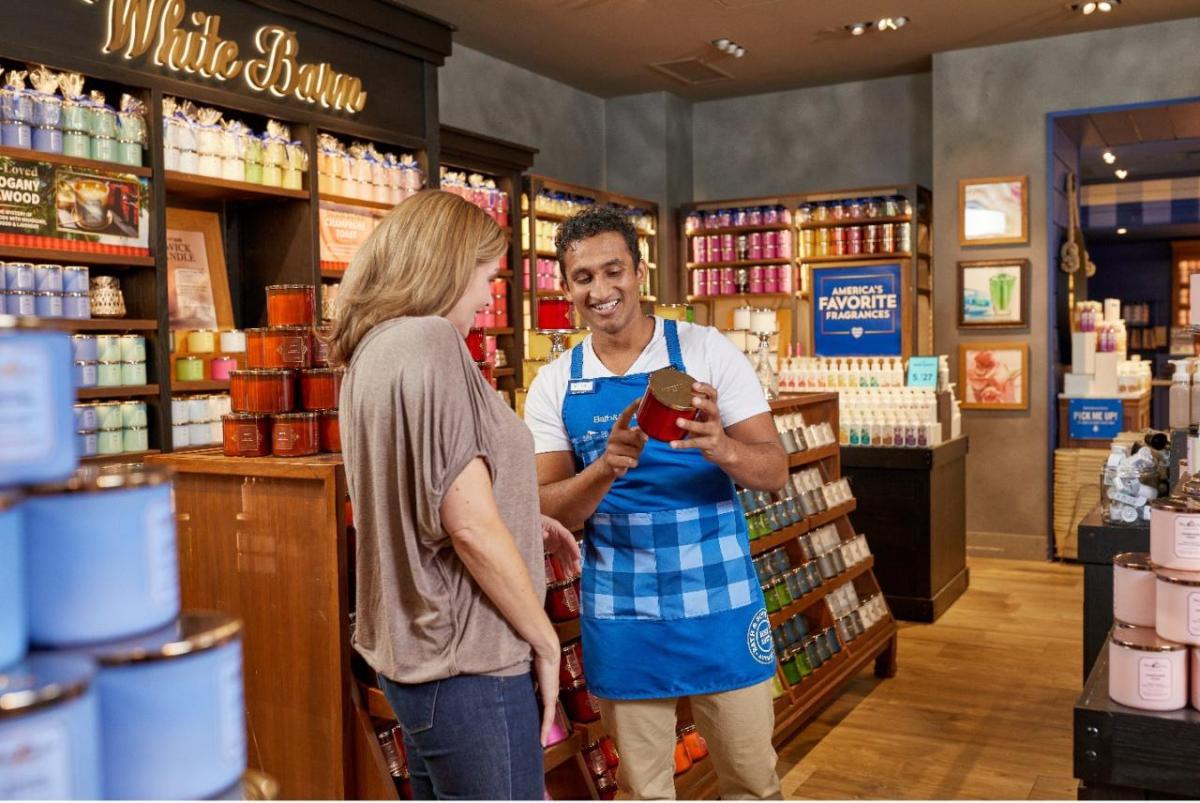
{"type": "Point", "coordinates": [694, 743]}
{"type": "Point", "coordinates": [668, 397]}
{"type": "Point", "coordinates": [279, 347]}
{"type": "Point", "coordinates": [476, 344]}
{"type": "Point", "coordinates": [555, 571]}
{"type": "Point", "coordinates": [246, 434]}
{"type": "Point", "coordinates": [320, 346]}
{"type": "Point", "coordinates": [319, 388]}
{"type": "Point", "coordinates": [291, 304]}
{"type": "Point", "coordinates": [593, 757]}
{"type": "Point", "coordinates": [582, 706]}
{"type": "Point", "coordinates": [606, 786]}
{"type": "Point", "coordinates": [562, 601]}
{"type": "Point", "coordinates": [330, 431]}
{"type": "Point", "coordinates": [295, 435]}
{"type": "Point", "coordinates": [609, 747]}
{"type": "Point", "coordinates": [570, 667]}
{"type": "Point", "coordinates": [489, 374]}
{"type": "Point", "coordinates": [683, 761]}
{"type": "Point", "coordinates": [260, 391]}
{"type": "Point", "coordinates": [554, 315]}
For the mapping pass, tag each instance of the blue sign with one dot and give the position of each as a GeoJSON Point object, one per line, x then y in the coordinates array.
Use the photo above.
{"type": "Point", "coordinates": [1095, 419]}
{"type": "Point", "coordinates": [856, 311]}
{"type": "Point", "coordinates": [923, 373]}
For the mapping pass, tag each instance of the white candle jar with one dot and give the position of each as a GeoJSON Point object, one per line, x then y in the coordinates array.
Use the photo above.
{"type": "Point", "coordinates": [1146, 671]}
{"type": "Point", "coordinates": [1177, 605]}
{"type": "Point", "coordinates": [1175, 534]}
{"type": "Point", "coordinates": [1133, 589]}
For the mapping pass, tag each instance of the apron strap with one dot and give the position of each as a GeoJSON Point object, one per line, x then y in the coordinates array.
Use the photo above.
{"type": "Point", "coordinates": [673, 351]}
{"type": "Point", "coordinates": [577, 362]}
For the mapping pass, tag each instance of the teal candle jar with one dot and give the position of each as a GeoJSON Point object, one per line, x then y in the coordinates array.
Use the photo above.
{"type": "Point", "coordinates": [129, 153]}
{"type": "Point", "coordinates": [133, 373]}
{"type": "Point", "coordinates": [110, 441]}
{"type": "Point", "coordinates": [769, 597]}
{"type": "Point", "coordinates": [108, 375]}
{"type": "Point", "coordinates": [133, 414]}
{"type": "Point", "coordinates": [132, 348]}
{"type": "Point", "coordinates": [813, 654]}
{"type": "Point", "coordinates": [108, 415]}
{"type": "Point", "coordinates": [77, 144]}
{"type": "Point", "coordinates": [135, 439]}
{"type": "Point", "coordinates": [104, 149]}
{"type": "Point", "coordinates": [102, 122]}
{"type": "Point", "coordinates": [74, 117]}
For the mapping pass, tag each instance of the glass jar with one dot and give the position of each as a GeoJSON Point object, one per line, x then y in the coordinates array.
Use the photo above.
{"type": "Point", "coordinates": [330, 431]}
{"type": "Point", "coordinates": [770, 598]}
{"type": "Point", "coordinates": [279, 347]}
{"type": "Point", "coordinates": [890, 206]}
{"type": "Point", "coordinates": [683, 762]}
{"type": "Point", "coordinates": [260, 391]}
{"type": "Point", "coordinates": [562, 601]}
{"type": "Point", "coordinates": [854, 208]}
{"type": "Point", "coordinates": [320, 388]}
{"type": "Point", "coordinates": [582, 706]}
{"type": "Point", "coordinates": [246, 435]}
{"type": "Point", "coordinates": [291, 304]}
{"type": "Point", "coordinates": [295, 435]}
{"type": "Point", "coordinates": [570, 665]}
{"type": "Point", "coordinates": [873, 207]}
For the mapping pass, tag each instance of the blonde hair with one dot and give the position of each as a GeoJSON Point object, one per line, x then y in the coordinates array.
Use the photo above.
{"type": "Point", "coordinates": [418, 261]}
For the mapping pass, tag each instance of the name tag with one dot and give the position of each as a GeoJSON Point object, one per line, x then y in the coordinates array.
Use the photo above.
{"type": "Point", "coordinates": [578, 386]}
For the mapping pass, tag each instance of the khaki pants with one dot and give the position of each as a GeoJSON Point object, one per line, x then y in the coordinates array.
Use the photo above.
{"type": "Point", "coordinates": [736, 724]}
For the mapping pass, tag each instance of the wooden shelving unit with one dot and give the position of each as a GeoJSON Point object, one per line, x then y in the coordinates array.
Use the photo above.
{"type": "Point", "coordinates": [74, 161]}
{"type": "Point", "coordinates": [346, 200]}
{"type": "Point", "coordinates": [115, 325]}
{"type": "Point", "coordinates": [120, 457]}
{"type": "Point", "coordinates": [200, 386]}
{"type": "Point", "coordinates": [68, 256]}
{"type": "Point", "coordinates": [118, 392]}
{"type": "Point", "coordinates": [206, 188]}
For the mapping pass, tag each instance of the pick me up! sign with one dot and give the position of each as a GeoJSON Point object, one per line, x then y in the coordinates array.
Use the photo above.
{"type": "Point", "coordinates": [856, 311]}
{"type": "Point", "coordinates": [1095, 419]}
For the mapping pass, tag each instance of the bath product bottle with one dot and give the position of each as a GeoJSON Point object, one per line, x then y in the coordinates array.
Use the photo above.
{"type": "Point", "coordinates": [1195, 414]}
{"type": "Point", "coordinates": [1179, 407]}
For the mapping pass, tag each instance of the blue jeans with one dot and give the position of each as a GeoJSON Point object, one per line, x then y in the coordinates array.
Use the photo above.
{"type": "Point", "coordinates": [472, 737]}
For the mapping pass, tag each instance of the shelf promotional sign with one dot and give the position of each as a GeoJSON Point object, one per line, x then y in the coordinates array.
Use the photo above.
{"type": "Point", "coordinates": [856, 311]}
{"type": "Point", "coordinates": [46, 205]}
{"type": "Point", "coordinates": [923, 373]}
{"type": "Point", "coordinates": [1095, 419]}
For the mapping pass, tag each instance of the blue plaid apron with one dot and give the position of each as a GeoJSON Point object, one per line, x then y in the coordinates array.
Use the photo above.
{"type": "Point", "coordinates": [671, 604]}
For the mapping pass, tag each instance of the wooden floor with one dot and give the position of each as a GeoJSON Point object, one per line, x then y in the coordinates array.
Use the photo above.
{"type": "Point", "coordinates": [981, 707]}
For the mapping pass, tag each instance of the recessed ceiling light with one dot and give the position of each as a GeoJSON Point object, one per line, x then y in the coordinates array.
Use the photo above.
{"type": "Point", "coordinates": [729, 46]}
{"type": "Point", "coordinates": [1121, 173]}
{"type": "Point", "coordinates": [1109, 157]}
{"type": "Point", "coordinates": [1122, 230]}
{"type": "Point", "coordinates": [1092, 6]}
{"type": "Point", "coordinates": [857, 28]}
{"type": "Point", "coordinates": [739, 51]}
{"type": "Point", "coordinates": [721, 44]}
{"type": "Point", "coordinates": [901, 21]}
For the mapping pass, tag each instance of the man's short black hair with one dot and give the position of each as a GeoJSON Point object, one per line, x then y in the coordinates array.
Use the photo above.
{"type": "Point", "coordinates": [589, 222]}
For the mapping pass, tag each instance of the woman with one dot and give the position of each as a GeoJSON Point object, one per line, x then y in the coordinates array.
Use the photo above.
{"type": "Point", "coordinates": [451, 577]}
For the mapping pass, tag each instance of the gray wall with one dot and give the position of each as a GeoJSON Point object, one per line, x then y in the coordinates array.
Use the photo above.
{"type": "Point", "coordinates": [861, 134]}
{"type": "Point", "coordinates": [989, 118]}
{"type": "Point", "coordinates": [492, 97]}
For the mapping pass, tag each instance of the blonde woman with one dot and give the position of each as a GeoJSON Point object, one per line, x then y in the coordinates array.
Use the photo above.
{"type": "Point", "coordinates": [450, 573]}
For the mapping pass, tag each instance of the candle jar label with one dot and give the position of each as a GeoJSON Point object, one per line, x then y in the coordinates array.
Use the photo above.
{"type": "Point", "coordinates": [1193, 620]}
{"type": "Point", "coordinates": [1187, 536]}
{"type": "Point", "coordinates": [162, 564]}
{"type": "Point", "coordinates": [35, 761]}
{"type": "Point", "coordinates": [26, 427]}
{"type": "Point", "coordinates": [1154, 678]}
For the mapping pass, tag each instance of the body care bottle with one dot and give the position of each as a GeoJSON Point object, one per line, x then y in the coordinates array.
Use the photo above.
{"type": "Point", "coordinates": [1179, 407]}
{"type": "Point", "coordinates": [1195, 408]}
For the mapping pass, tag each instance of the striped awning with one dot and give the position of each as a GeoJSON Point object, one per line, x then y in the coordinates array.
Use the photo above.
{"type": "Point", "coordinates": [1141, 203]}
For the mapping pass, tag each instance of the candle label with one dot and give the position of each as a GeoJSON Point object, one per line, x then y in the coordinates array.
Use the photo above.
{"type": "Point", "coordinates": [26, 421]}
{"type": "Point", "coordinates": [162, 564]}
{"type": "Point", "coordinates": [1193, 621]}
{"type": "Point", "coordinates": [1154, 678]}
{"type": "Point", "coordinates": [35, 761]}
{"type": "Point", "coordinates": [230, 706]}
{"type": "Point", "coordinates": [1187, 536]}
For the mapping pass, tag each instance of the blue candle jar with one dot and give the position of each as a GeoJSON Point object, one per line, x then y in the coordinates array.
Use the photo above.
{"type": "Point", "coordinates": [83, 348]}
{"type": "Point", "coordinates": [16, 135]}
{"type": "Point", "coordinates": [48, 278]}
{"type": "Point", "coordinates": [49, 712]}
{"type": "Point", "coordinates": [19, 302]}
{"type": "Point", "coordinates": [172, 721]}
{"type": "Point", "coordinates": [37, 425]}
{"type": "Point", "coordinates": [48, 304]}
{"type": "Point", "coordinates": [18, 276]}
{"type": "Point", "coordinates": [77, 306]}
{"type": "Point", "coordinates": [47, 139]}
{"type": "Point", "coordinates": [100, 556]}
{"type": "Point", "coordinates": [14, 630]}
{"type": "Point", "coordinates": [85, 373]}
{"type": "Point", "coordinates": [75, 279]}
{"type": "Point", "coordinates": [89, 442]}
{"type": "Point", "coordinates": [85, 417]}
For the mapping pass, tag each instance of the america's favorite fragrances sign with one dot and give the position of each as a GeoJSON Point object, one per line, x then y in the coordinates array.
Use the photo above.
{"type": "Point", "coordinates": [856, 311]}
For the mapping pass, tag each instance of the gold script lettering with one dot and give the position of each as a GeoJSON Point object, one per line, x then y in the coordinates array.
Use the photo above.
{"type": "Point", "coordinates": [276, 72]}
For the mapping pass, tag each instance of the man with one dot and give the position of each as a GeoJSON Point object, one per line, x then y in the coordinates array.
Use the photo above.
{"type": "Point", "coordinates": [671, 603]}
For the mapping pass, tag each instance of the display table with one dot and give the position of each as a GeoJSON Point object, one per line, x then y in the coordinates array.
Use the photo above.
{"type": "Point", "coordinates": [912, 508]}
{"type": "Point", "coordinates": [1128, 754]}
{"type": "Point", "coordinates": [1098, 544]}
{"type": "Point", "coordinates": [1137, 418]}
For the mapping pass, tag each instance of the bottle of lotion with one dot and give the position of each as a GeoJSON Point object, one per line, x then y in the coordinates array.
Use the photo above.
{"type": "Point", "coordinates": [1179, 407]}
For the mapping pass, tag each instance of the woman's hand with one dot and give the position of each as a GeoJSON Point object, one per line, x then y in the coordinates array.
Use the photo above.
{"type": "Point", "coordinates": [545, 670]}
{"type": "Point", "coordinates": [559, 542]}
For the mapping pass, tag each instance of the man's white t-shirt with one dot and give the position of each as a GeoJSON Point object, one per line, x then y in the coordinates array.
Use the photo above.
{"type": "Point", "coordinates": [708, 357]}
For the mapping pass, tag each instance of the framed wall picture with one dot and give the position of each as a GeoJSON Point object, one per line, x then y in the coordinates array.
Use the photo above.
{"type": "Point", "coordinates": [994, 376]}
{"type": "Point", "coordinates": [993, 211]}
{"type": "Point", "coordinates": [993, 294]}
{"type": "Point", "coordinates": [197, 281]}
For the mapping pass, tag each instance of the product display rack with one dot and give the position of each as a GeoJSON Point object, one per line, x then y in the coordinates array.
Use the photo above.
{"type": "Point", "coordinates": [795, 318]}
{"type": "Point", "coordinates": [505, 163]}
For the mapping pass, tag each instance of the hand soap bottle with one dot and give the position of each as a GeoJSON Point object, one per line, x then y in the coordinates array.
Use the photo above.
{"type": "Point", "coordinates": [1195, 414]}
{"type": "Point", "coordinates": [1179, 402]}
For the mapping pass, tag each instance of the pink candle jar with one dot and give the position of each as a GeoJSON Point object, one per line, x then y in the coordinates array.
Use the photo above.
{"type": "Point", "coordinates": [771, 279]}
{"type": "Point", "coordinates": [1133, 589]}
{"type": "Point", "coordinates": [1177, 605]}
{"type": "Point", "coordinates": [756, 245]}
{"type": "Point", "coordinates": [714, 248]}
{"type": "Point", "coordinates": [756, 279]}
{"type": "Point", "coordinates": [699, 283]}
{"type": "Point", "coordinates": [1146, 671]}
{"type": "Point", "coordinates": [1175, 534]}
{"type": "Point", "coordinates": [699, 249]}
{"type": "Point", "coordinates": [1196, 679]}
{"type": "Point", "coordinates": [728, 282]}
{"type": "Point", "coordinates": [222, 367]}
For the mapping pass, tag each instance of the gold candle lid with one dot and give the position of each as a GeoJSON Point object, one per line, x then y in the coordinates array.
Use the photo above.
{"type": "Point", "coordinates": [672, 388]}
{"type": "Point", "coordinates": [192, 632]}
{"type": "Point", "coordinates": [1143, 638]}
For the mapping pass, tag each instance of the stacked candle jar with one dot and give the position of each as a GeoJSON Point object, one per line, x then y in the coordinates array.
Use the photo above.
{"type": "Point", "coordinates": [547, 278]}
{"type": "Point", "coordinates": [495, 314]}
{"type": "Point", "coordinates": [729, 281]}
{"type": "Point", "coordinates": [123, 696]}
{"type": "Point", "coordinates": [804, 495]}
{"type": "Point", "coordinates": [109, 360]}
{"type": "Point", "coordinates": [361, 171]}
{"type": "Point", "coordinates": [601, 759]}
{"type": "Point", "coordinates": [285, 403]}
{"type": "Point", "coordinates": [749, 247]}
{"type": "Point", "coordinates": [207, 353]}
{"type": "Point", "coordinates": [480, 191]}
{"type": "Point", "coordinates": [558, 203]}
{"type": "Point", "coordinates": [825, 556]}
{"type": "Point", "coordinates": [45, 291]}
{"type": "Point", "coordinates": [855, 226]}
{"type": "Point", "coordinates": [111, 427]}
{"type": "Point", "coordinates": [1154, 646]}
{"type": "Point", "coordinates": [196, 420]}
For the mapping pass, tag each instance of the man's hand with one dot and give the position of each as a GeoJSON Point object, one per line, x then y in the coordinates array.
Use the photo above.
{"type": "Point", "coordinates": [624, 443]}
{"type": "Point", "coordinates": [559, 542]}
{"type": "Point", "coordinates": [706, 433]}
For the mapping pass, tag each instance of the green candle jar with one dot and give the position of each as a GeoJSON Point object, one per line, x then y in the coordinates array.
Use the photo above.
{"type": "Point", "coordinates": [129, 153]}
{"type": "Point", "coordinates": [776, 688]}
{"type": "Point", "coordinates": [110, 441]}
{"type": "Point", "coordinates": [77, 144]}
{"type": "Point", "coordinates": [189, 369]}
{"type": "Point", "coordinates": [803, 667]}
{"type": "Point", "coordinates": [790, 670]}
{"type": "Point", "coordinates": [782, 594]}
{"type": "Point", "coordinates": [769, 597]}
{"type": "Point", "coordinates": [104, 149]}
{"type": "Point", "coordinates": [135, 439]}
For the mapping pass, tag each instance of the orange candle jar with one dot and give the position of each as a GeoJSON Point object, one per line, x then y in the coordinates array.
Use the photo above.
{"type": "Point", "coordinates": [694, 743]}
{"type": "Point", "coordinates": [554, 315]}
{"type": "Point", "coordinates": [331, 432]}
{"type": "Point", "coordinates": [683, 762]}
{"type": "Point", "coordinates": [295, 435]}
{"type": "Point", "coordinates": [246, 434]}
{"type": "Point", "coordinates": [260, 391]}
{"type": "Point", "coordinates": [279, 347]}
{"type": "Point", "coordinates": [319, 388]}
{"type": "Point", "coordinates": [291, 304]}
{"type": "Point", "coordinates": [320, 346]}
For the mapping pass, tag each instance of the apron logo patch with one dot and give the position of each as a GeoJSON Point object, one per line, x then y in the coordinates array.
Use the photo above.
{"type": "Point", "coordinates": [758, 638]}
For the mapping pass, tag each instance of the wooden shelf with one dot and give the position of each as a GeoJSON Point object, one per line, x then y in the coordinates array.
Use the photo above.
{"type": "Point", "coordinates": [696, 782]}
{"type": "Point", "coordinates": [862, 221]}
{"type": "Point", "coordinates": [813, 455]}
{"type": "Point", "coordinates": [377, 704]}
{"type": "Point", "coordinates": [562, 752]}
{"type": "Point", "coordinates": [123, 457]}
{"type": "Point", "coordinates": [769, 542]}
{"type": "Point", "coordinates": [504, 274]}
{"type": "Point", "coordinates": [199, 386]}
{"type": "Point", "coordinates": [553, 217]}
{"type": "Point", "coordinates": [741, 229]}
{"type": "Point", "coordinates": [506, 330]}
{"type": "Point", "coordinates": [820, 592]}
{"type": "Point", "coordinates": [741, 296]}
{"type": "Point", "coordinates": [833, 514]}
{"type": "Point", "coordinates": [206, 188]}
{"type": "Point", "coordinates": [102, 324]}
{"type": "Point", "coordinates": [546, 254]}
{"type": "Point", "coordinates": [345, 200]}
{"type": "Point", "coordinates": [502, 372]}
{"type": "Point", "coordinates": [73, 161]}
{"type": "Point", "coordinates": [213, 448]}
{"type": "Point", "coordinates": [67, 256]}
{"type": "Point", "coordinates": [119, 392]}
{"type": "Point", "coordinates": [327, 273]}
{"type": "Point", "coordinates": [567, 631]}
{"type": "Point", "coordinates": [745, 263]}
{"type": "Point", "coordinates": [854, 258]}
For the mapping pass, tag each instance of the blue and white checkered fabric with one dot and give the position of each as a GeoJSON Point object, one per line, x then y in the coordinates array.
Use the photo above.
{"type": "Point", "coordinates": [589, 447]}
{"type": "Point", "coordinates": [661, 566]}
